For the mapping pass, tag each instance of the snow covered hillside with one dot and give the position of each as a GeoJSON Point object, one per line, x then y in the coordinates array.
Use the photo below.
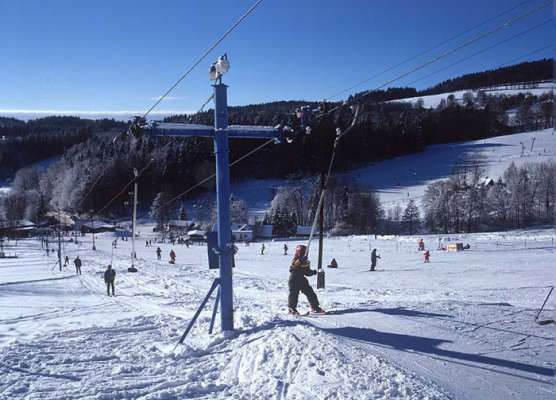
{"type": "Point", "coordinates": [400, 179]}
{"type": "Point", "coordinates": [461, 327]}
{"type": "Point", "coordinates": [433, 100]}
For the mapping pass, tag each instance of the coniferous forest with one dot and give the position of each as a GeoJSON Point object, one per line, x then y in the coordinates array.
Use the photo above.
{"type": "Point", "coordinates": [385, 128]}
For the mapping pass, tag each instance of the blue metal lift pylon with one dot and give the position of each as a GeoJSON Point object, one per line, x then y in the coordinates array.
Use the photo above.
{"type": "Point", "coordinates": [221, 133]}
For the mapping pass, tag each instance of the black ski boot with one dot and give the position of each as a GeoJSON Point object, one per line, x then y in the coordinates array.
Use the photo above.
{"type": "Point", "coordinates": [293, 311]}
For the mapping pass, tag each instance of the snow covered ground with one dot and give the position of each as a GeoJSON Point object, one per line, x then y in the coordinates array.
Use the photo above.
{"type": "Point", "coordinates": [461, 327]}
{"type": "Point", "coordinates": [400, 179]}
{"type": "Point", "coordinates": [433, 100]}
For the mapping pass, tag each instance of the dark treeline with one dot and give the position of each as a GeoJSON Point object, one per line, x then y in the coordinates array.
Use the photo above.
{"type": "Point", "coordinates": [541, 70]}
{"type": "Point", "coordinates": [22, 143]}
{"type": "Point", "coordinates": [384, 129]}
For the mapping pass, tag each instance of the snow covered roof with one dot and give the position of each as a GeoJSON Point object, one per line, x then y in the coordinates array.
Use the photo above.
{"type": "Point", "coordinates": [180, 223]}
{"type": "Point", "coordinates": [196, 232]}
{"type": "Point", "coordinates": [98, 225]}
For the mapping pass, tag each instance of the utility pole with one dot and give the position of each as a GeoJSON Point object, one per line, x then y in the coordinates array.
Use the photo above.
{"type": "Point", "coordinates": [321, 220]}
{"type": "Point", "coordinates": [93, 229]}
{"type": "Point", "coordinates": [59, 240]}
{"type": "Point", "coordinates": [220, 133]}
{"type": "Point", "coordinates": [134, 217]}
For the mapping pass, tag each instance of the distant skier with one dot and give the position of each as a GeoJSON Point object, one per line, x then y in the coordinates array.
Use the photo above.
{"type": "Point", "coordinates": [262, 249]}
{"type": "Point", "coordinates": [299, 268]}
{"type": "Point", "coordinates": [158, 253]}
{"type": "Point", "coordinates": [374, 257]}
{"type": "Point", "coordinates": [285, 249]}
{"type": "Point", "coordinates": [333, 264]}
{"type": "Point", "coordinates": [421, 244]}
{"type": "Point", "coordinates": [66, 262]}
{"type": "Point", "coordinates": [77, 263]}
{"type": "Point", "coordinates": [109, 277]}
{"type": "Point", "coordinates": [172, 257]}
{"type": "Point", "coordinates": [427, 256]}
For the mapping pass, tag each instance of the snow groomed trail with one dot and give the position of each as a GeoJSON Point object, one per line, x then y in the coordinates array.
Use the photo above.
{"type": "Point", "coordinates": [461, 327]}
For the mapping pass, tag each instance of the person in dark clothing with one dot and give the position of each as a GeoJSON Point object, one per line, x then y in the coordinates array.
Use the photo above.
{"type": "Point", "coordinates": [158, 253]}
{"type": "Point", "coordinates": [109, 277]}
{"type": "Point", "coordinates": [299, 268]}
{"type": "Point", "coordinates": [172, 257]}
{"type": "Point", "coordinates": [66, 262]}
{"type": "Point", "coordinates": [374, 256]}
{"type": "Point", "coordinates": [285, 249]}
{"type": "Point", "coordinates": [333, 264]}
{"type": "Point", "coordinates": [77, 263]}
{"type": "Point", "coordinates": [262, 249]}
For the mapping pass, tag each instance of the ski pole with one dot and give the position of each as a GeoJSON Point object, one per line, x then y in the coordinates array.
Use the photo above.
{"type": "Point", "coordinates": [543, 304]}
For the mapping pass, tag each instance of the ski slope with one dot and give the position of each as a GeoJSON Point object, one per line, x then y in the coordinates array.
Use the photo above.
{"type": "Point", "coordinates": [400, 179]}
{"type": "Point", "coordinates": [461, 327]}
{"type": "Point", "coordinates": [433, 100]}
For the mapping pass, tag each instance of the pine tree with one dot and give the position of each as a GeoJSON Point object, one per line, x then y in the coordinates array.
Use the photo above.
{"type": "Point", "coordinates": [411, 217]}
{"type": "Point", "coordinates": [182, 213]}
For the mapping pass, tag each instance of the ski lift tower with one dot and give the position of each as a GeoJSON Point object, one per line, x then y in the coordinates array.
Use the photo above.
{"type": "Point", "coordinates": [220, 133]}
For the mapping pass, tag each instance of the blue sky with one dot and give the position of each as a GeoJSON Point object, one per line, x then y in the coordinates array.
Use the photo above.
{"type": "Point", "coordinates": [119, 55]}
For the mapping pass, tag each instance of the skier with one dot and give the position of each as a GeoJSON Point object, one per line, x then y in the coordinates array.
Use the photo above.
{"type": "Point", "coordinates": [427, 256]}
{"type": "Point", "coordinates": [333, 264]}
{"type": "Point", "coordinates": [285, 249]}
{"type": "Point", "coordinates": [374, 256]}
{"type": "Point", "coordinates": [262, 249]}
{"type": "Point", "coordinates": [158, 253]}
{"type": "Point", "coordinates": [421, 244]}
{"type": "Point", "coordinates": [299, 268]}
{"type": "Point", "coordinates": [66, 262]}
{"type": "Point", "coordinates": [109, 276]}
{"type": "Point", "coordinates": [172, 257]}
{"type": "Point", "coordinates": [77, 263]}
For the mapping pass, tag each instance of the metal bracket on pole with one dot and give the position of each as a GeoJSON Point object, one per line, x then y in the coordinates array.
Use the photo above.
{"type": "Point", "coordinates": [214, 310]}
{"type": "Point", "coordinates": [215, 284]}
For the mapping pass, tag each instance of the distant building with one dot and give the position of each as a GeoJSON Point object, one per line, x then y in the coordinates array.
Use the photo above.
{"type": "Point", "coordinates": [242, 233]}
{"type": "Point", "coordinates": [178, 225]}
{"type": "Point", "coordinates": [97, 226]}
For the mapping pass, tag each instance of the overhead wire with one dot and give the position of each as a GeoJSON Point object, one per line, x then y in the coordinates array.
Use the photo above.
{"type": "Point", "coordinates": [180, 79]}
{"type": "Point", "coordinates": [525, 55]}
{"type": "Point", "coordinates": [208, 178]}
{"type": "Point", "coordinates": [422, 53]}
{"type": "Point", "coordinates": [123, 189]}
{"type": "Point", "coordinates": [205, 103]}
{"type": "Point", "coordinates": [92, 187]}
{"type": "Point", "coordinates": [482, 51]}
{"type": "Point", "coordinates": [440, 57]}
{"type": "Point", "coordinates": [204, 55]}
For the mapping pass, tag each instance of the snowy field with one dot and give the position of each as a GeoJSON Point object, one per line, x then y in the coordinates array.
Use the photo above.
{"type": "Point", "coordinates": [399, 179]}
{"type": "Point", "coordinates": [433, 100]}
{"type": "Point", "coordinates": [461, 327]}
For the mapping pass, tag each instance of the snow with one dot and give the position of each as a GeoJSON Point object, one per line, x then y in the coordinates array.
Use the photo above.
{"type": "Point", "coordinates": [432, 101]}
{"type": "Point", "coordinates": [400, 179]}
{"type": "Point", "coordinates": [461, 327]}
